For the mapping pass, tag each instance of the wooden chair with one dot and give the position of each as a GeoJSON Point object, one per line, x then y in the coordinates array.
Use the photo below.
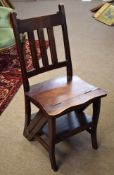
{"type": "Point", "coordinates": [61, 101]}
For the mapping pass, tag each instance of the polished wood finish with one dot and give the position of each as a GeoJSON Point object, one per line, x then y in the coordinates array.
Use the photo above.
{"type": "Point", "coordinates": [58, 95]}
{"type": "Point", "coordinates": [61, 101]}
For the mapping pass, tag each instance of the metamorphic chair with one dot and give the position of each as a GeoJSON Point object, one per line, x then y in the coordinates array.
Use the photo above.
{"type": "Point", "coordinates": [60, 101]}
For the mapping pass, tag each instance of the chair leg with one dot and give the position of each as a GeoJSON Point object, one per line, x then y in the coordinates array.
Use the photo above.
{"type": "Point", "coordinates": [27, 116]}
{"type": "Point", "coordinates": [51, 135]}
{"type": "Point", "coordinates": [96, 112]}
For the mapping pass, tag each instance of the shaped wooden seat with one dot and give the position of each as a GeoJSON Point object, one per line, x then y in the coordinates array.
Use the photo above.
{"type": "Point", "coordinates": [60, 101]}
{"type": "Point", "coordinates": [58, 95]}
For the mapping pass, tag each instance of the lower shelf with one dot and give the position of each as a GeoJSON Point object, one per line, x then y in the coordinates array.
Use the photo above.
{"type": "Point", "coordinates": [70, 124]}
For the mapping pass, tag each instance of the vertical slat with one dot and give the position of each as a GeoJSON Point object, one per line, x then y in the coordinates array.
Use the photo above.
{"type": "Point", "coordinates": [52, 45]}
{"type": "Point", "coordinates": [33, 50]}
{"type": "Point", "coordinates": [43, 47]}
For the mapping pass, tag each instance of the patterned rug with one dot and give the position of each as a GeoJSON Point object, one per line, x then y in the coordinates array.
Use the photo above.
{"type": "Point", "coordinates": [10, 73]}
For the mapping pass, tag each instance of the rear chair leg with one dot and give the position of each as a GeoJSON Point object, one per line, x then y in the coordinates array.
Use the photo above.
{"type": "Point", "coordinates": [51, 136]}
{"type": "Point", "coordinates": [96, 112]}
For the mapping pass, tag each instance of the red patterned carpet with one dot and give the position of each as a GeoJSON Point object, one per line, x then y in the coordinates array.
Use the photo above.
{"type": "Point", "coordinates": [10, 73]}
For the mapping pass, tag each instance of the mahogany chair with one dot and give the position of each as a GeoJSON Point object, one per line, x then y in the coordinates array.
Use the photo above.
{"type": "Point", "coordinates": [60, 101]}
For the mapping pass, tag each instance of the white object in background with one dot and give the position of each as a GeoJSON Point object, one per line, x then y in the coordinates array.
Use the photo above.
{"type": "Point", "coordinates": [86, 0]}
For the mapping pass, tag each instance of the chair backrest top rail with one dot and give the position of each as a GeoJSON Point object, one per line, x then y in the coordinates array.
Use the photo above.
{"type": "Point", "coordinates": [31, 24]}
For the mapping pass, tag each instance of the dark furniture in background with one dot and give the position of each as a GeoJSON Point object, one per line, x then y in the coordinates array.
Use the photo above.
{"type": "Point", "coordinates": [6, 3]}
{"type": "Point", "coordinates": [61, 101]}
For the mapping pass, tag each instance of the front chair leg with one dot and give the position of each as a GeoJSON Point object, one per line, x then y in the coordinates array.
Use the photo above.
{"type": "Point", "coordinates": [96, 112]}
{"type": "Point", "coordinates": [51, 136]}
{"type": "Point", "coordinates": [27, 116]}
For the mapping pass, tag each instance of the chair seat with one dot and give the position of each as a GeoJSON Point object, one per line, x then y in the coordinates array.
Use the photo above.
{"type": "Point", "coordinates": [6, 38]}
{"type": "Point", "coordinates": [57, 95]}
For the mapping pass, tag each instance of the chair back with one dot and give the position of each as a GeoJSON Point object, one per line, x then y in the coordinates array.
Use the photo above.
{"type": "Point", "coordinates": [35, 27]}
